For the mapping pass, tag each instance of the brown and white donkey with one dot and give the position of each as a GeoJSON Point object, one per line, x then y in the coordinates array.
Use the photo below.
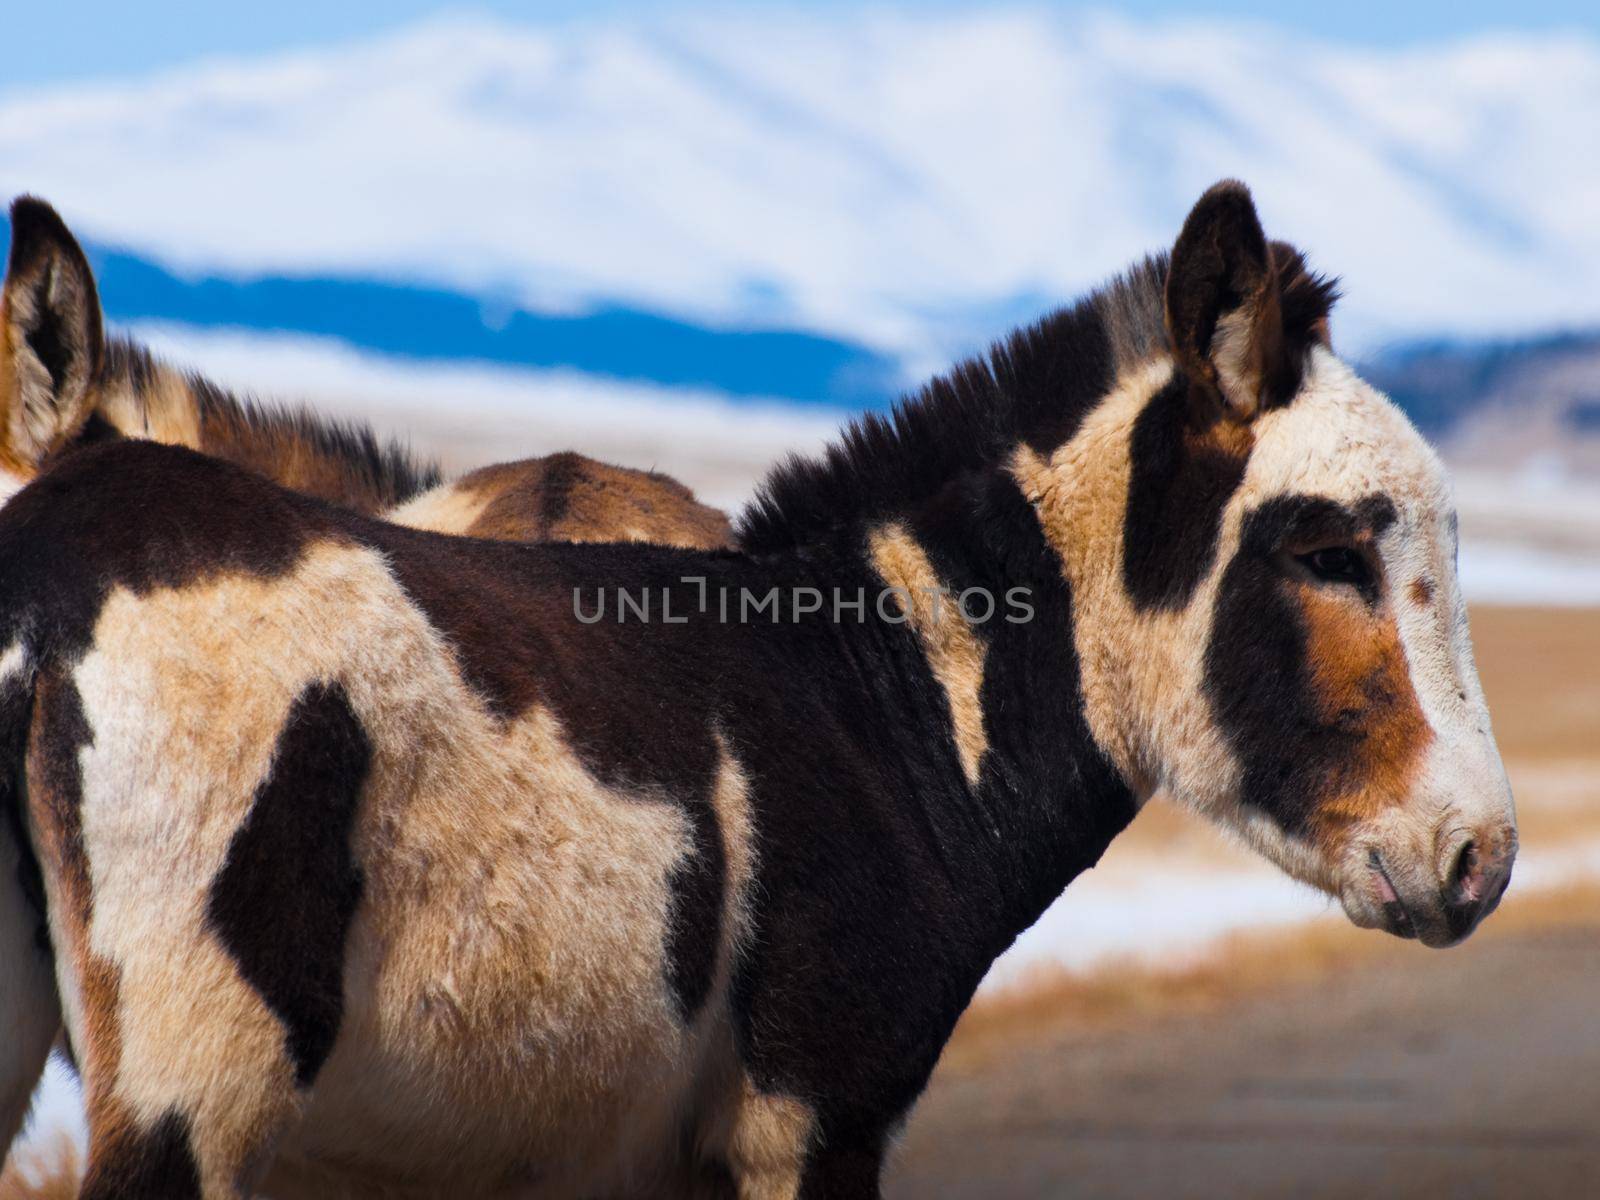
{"type": "Point", "coordinates": [64, 384]}
{"type": "Point", "coordinates": [371, 862]}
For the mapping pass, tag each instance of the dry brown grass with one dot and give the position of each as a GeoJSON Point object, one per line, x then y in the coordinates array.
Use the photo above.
{"type": "Point", "coordinates": [1538, 671]}
{"type": "Point", "coordinates": [1243, 965]}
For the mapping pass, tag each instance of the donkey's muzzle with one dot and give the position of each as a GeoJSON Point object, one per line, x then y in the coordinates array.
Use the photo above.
{"type": "Point", "coordinates": [1477, 878]}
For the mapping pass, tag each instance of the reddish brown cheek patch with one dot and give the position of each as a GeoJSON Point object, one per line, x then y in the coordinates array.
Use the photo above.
{"type": "Point", "coordinates": [1362, 694]}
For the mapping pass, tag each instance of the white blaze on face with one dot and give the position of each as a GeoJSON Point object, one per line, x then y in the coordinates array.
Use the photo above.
{"type": "Point", "coordinates": [1341, 440]}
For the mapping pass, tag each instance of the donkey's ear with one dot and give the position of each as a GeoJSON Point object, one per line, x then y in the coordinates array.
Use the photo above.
{"type": "Point", "coordinates": [50, 334]}
{"type": "Point", "coordinates": [1223, 312]}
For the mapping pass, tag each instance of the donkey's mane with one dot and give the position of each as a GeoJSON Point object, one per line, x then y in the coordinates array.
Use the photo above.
{"type": "Point", "coordinates": [263, 435]}
{"type": "Point", "coordinates": [1035, 387]}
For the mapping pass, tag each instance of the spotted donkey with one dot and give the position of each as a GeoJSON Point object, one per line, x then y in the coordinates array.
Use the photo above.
{"type": "Point", "coordinates": [64, 384]}
{"type": "Point", "coordinates": [369, 868]}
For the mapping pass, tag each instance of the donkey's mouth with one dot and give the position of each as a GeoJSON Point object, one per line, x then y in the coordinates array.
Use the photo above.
{"type": "Point", "coordinates": [1396, 915]}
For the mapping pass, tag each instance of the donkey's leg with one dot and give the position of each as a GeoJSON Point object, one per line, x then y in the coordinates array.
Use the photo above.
{"type": "Point", "coordinates": [775, 1151]}
{"type": "Point", "coordinates": [30, 1015]}
{"type": "Point", "coordinates": [844, 1172]}
{"type": "Point", "coordinates": [188, 1070]}
{"type": "Point", "coordinates": [187, 1075]}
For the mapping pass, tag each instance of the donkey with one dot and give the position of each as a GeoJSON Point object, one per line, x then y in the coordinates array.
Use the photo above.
{"type": "Point", "coordinates": [375, 863]}
{"type": "Point", "coordinates": [64, 384]}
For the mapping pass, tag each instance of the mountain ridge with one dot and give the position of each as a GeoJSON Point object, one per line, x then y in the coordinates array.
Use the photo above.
{"type": "Point", "coordinates": [879, 178]}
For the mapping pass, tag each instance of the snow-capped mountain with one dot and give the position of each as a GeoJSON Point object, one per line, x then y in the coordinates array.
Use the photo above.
{"type": "Point", "coordinates": [912, 182]}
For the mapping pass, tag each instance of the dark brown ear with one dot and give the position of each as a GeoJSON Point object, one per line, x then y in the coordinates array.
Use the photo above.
{"type": "Point", "coordinates": [51, 337]}
{"type": "Point", "coordinates": [1223, 311]}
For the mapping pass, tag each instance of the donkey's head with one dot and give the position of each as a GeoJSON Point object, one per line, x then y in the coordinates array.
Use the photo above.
{"type": "Point", "coordinates": [1263, 557]}
{"type": "Point", "coordinates": [52, 346]}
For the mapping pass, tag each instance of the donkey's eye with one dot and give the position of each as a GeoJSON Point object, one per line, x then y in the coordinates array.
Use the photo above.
{"type": "Point", "coordinates": [1335, 564]}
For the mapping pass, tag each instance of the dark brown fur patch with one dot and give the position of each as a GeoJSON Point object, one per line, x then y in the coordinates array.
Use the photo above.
{"type": "Point", "coordinates": [129, 1163]}
{"type": "Point", "coordinates": [1309, 680]}
{"type": "Point", "coordinates": [1421, 592]}
{"type": "Point", "coordinates": [16, 720]}
{"type": "Point", "coordinates": [283, 902]}
{"type": "Point", "coordinates": [1180, 480]}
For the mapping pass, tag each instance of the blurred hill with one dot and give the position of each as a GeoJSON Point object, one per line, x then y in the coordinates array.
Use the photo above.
{"type": "Point", "coordinates": [1532, 405]}
{"type": "Point", "coordinates": [909, 182]}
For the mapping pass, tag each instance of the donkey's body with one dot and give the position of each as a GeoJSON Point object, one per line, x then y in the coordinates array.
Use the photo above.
{"type": "Point", "coordinates": [65, 387]}
{"type": "Point", "coordinates": [484, 880]}
{"type": "Point", "coordinates": [371, 867]}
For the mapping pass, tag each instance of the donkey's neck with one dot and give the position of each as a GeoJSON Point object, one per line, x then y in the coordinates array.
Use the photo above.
{"type": "Point", "coordinates": [140, 396]}
{"type": "Point", "coordinates": [934, 494]}
{"type": "Point", "coordinates": [1035, 784]}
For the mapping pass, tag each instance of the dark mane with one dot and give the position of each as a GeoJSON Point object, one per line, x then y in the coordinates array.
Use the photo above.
{"type": "Point", "coordinates": [130, 363]}
{"type": "Point", "coordinates": [1305, 297]}
{"type": "Point", "coordinates": [340, 460]}
{"type": "Point", "coordinates": [383, 468]}
{"type": "Point", "coordinates": [1035, 387]}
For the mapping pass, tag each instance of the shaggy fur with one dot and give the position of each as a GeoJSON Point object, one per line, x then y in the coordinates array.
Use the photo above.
{"type": "Point", "coordinates": [64, 388]}
{"type": "Point", "coordinates": [651, 908]}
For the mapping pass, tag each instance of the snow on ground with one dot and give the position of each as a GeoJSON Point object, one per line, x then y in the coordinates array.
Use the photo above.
{"type": "Point", "coordinates": [1160, 914]}
{"type": "Point", "coordinates": [1173, 916]}
{"type": "Point", "coordinates": [1497, 573]}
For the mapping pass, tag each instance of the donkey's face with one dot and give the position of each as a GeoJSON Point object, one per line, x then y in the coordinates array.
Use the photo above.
{"type": "Point", "coordinates": [1281, 643]}
{"type": "Point", "coordinates": [1339, 673]}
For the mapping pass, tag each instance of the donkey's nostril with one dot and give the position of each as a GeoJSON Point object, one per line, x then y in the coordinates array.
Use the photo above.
{"type": "Point", "coordinates": [1465, 884]}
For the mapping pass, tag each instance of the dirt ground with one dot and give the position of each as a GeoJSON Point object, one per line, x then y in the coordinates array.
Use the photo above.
{"type": "Point", "coordinates": [1474, 1072]}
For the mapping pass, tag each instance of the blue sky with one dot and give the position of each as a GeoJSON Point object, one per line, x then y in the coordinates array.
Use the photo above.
{"type": "Point", "coordinates": [85, 39]}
